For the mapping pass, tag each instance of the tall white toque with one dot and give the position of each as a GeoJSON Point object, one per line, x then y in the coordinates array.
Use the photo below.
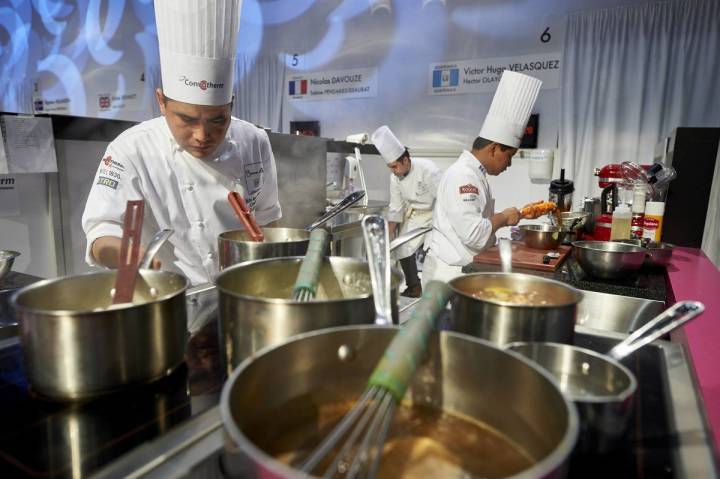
{"type": "Point", "coordinates": [387, 144]}
{"type": "Point", "coordinates": [198, 43]}
{"type": "Point", "coordinates": [510, 109]}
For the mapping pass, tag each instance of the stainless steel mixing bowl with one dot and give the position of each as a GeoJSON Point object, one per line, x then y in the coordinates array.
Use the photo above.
{"type": "Point", "coordinates": [542, 236]}
{"type": "Point", "coordinates": [608, 259]}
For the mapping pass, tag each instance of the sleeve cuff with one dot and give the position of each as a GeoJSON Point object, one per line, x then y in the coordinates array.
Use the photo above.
{"type": "Point", "coordinates": [395, 216]}
{"type": "Point", "coordinates": [97, 231]}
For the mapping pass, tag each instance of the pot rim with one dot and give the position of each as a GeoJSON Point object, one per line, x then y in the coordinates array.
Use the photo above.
{"type": "Point", "coordinates": [222, 236]}
{"type": "Point", "coordinates": [90, 312]}
{"type": "Point", "coordinates": [394, 274]}
{"type": "Point", "coordinates": [559, 455]}
{"type": "Point", "coordinates": [576, 292]}
{"type": "Point", "coordinates": [591, 398]}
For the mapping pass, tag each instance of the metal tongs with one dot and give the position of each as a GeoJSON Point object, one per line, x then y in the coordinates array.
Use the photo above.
{"type": "Point", "coordinates": [246, 217]}
{"type": "Point", "coordinates": [346, 203]}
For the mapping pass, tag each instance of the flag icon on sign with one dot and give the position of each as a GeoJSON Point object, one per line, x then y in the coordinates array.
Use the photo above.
{"type": "Point", "coordinates": [297, 87]}
{"type": "Point", "coordinates": [447, 77]}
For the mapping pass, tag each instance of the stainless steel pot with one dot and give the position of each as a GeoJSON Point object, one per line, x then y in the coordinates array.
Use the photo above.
{"type": "Point", "coordinates": [236, 246]}
{"type": "Point", "coordinates": [77, 345]}
{"type": "Point", "coordinates": [601, 387]}
{"type": "Point", "coordinates": [608, 259]}
{"type": "Point", "coordinates": [504, 322]}
{"type": "Point", "coordinates": [256, 309]}
{"type": "Point", "coordinates": [464, 376]}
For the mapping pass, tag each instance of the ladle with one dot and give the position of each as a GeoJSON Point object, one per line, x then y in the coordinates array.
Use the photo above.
{"type": "Point", "coordinates": [154, 246]}
{"type": "Point", "coordinates": [377, 245]}
{"type": "Point", "coordinates": [505, 247]}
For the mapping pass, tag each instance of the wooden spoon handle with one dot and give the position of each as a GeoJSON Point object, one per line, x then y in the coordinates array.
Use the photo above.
{"type": "Point", "coordinates": [246, 217]}
{"type": "Point", "coordinates": [129, 252]}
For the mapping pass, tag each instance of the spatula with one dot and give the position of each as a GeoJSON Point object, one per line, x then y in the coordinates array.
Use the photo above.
{"type": "Point", "coordinates": [246, 217]}
{"type": "Point", "coordinates": [129, 252]}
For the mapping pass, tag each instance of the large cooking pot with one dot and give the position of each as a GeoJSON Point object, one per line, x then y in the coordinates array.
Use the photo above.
{"type": "Point", "coordinates": [502, 319]}
{"type": "Point", "coordinates": [76, 344]}
{"type": "Point", "coordinates": [287, 397]}
{"type": "Point", "coordinates": [236, 246]}
{"type": "Point", "coordinates": [256, 309]}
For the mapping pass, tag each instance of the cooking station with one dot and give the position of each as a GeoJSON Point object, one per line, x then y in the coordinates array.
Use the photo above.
{"type": "Point", "coordinates": [172, 428]}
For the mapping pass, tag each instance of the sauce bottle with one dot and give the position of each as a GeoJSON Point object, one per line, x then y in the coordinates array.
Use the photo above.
{"type": "Point", "coordinates": [652, 225]}
{"type": "Point", "coordinates": [638, 213]}
{"type": "Point", "coordinates": [621, 219]}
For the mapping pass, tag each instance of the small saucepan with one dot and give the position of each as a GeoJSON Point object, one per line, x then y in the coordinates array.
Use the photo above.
{"type": "Point", "coordinates": [601, 387]}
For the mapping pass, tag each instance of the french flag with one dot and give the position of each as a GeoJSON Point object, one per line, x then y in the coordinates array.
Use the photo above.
{"type": "Point", "coordinates": [297, 87]}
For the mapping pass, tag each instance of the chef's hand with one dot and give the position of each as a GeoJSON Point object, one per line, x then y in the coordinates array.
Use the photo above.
{"type": "Point", "coordinates": [106, 251]}
{"type": "Point", "coordinates": [512, 216]}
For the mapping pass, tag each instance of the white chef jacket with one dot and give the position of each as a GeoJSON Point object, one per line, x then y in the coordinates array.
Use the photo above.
{"type": "Point", "coordinates": [181, 192]}
{"type": "Point", "coordinates": [461, 220]}
{"type": "Point", "coordinates": [412, 198]}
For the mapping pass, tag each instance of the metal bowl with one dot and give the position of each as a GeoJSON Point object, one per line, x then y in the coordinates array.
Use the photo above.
{"type": "Point", "coordinates": [659, 254]}
{"type": "Point", "coordinates": [573, 220]}
{"type": "Point", "coordinates": [541, 236]}
{"type": "Point", "coordinates": [236, 246]}
{"type": "Point", "coordinates": [608, 259]}
{"type": "Point", "coordinates": [6, 261]}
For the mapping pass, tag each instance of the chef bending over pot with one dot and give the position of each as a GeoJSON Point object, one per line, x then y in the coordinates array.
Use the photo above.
{"type": "Point", "coordinates": [184, 163]}
{"type": "Point", "coordinates": [465, 220]}
{"type": "Point", "coordinates": [413, 186]}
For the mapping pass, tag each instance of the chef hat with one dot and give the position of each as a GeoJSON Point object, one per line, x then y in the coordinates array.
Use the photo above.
{"type": "Point", "coordinates": [197, 49]}
{"type": "Point", "coordinates": [389, 147]}
{"type": "Point", "coordinates": [510, 109]}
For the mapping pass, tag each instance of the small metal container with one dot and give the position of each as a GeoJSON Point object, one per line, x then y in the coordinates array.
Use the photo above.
{"type": "Point", "coordinates": [6, 261]}
{"type": "Point", "coordinates": [659, 254]}
{"type": "Point", "coordinates": [608, 259]}
{"type": "Point", "coordinates": [545, 237]}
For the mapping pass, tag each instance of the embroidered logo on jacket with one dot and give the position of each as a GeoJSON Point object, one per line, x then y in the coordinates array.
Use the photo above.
{"type": "Point", "coordinates": [110, 183]}
{"type": "Point", "coordinates": [467, 189]}
{"type": "Point", "coordinates": [110, 163]}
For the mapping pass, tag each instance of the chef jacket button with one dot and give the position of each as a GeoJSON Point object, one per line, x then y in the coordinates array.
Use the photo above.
{"type": "Point", "coordinates": [210, 255]}
{"type": "Point", "coordinates": [201, 224]}
{"type": "Point", "coordinates": [189, 187]}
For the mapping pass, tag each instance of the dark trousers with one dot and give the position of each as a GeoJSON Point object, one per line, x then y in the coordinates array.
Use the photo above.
{"type": "Point", "coordinates": [409, 267]}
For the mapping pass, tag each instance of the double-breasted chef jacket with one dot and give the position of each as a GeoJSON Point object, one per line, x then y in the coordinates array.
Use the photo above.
{"type": "Point", "coordinates": [182, 192]}
{"type": "Point", "coordinates": [412, 199]}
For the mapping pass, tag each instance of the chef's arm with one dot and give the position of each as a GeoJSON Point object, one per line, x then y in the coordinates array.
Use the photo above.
{"type": "Point", "coordinates": [392, 226]}
{"type": "Point", "coordinates": [106, 252]}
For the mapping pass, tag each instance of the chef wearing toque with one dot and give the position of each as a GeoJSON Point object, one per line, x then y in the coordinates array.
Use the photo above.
{"type": "Point", "coordinates": [465, 220]}
{"type": "Point", "coordinates": [413, 185]}
{"type": "Point", "coordinates": [184, 163]}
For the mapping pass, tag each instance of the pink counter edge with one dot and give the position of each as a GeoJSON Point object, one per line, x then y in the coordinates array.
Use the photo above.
{"type": "Point", "coordinates": [692, 276]}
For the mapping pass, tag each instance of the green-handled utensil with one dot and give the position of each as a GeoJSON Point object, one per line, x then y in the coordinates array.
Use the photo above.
{"type": "Point", "coordinates": [305, 287]}
{"type": "Point", "coordinates": [372, 414]}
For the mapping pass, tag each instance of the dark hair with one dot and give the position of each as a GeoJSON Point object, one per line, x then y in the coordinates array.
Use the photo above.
{"type": "Point", "coordinates": [406, 154]}
{"type": "Point", "coordinates": [481, 143]}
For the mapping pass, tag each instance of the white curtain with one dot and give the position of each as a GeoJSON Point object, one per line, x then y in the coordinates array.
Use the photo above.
{"type": "Point", "coordinates": [632, 74]}
{"type": "Point", "coordinates": [259, 90]}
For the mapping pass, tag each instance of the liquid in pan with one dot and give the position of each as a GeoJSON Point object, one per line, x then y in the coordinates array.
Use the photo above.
{"type": "Point", "coordinates": [422, 442]}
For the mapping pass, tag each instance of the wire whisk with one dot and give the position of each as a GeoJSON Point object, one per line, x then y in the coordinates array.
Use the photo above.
{"type": "Point", "coordinates": [305, 287]}
{"type": "Point", "coordinates": [366, 426]}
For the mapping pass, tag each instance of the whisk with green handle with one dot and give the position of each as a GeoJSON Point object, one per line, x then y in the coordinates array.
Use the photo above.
{"type": "Point", "coordinates": [305, 287]}
{"type": "Point", "coordinates": [372, 414]}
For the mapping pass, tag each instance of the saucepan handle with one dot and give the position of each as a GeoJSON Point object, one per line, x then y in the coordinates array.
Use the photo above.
{"type": "Point", "coordinates": [673, 317]}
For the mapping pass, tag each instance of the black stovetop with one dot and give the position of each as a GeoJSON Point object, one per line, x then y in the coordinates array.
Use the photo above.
{"type": "Point", "coordinates": [49, 439]}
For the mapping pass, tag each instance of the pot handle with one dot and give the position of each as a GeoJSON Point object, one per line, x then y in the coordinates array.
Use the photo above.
{"type": "Point", "coordinates": [377, 244]}
{"type": "Point", "coordinates": [673, 317]}
{"type": "Point", "coordinates": [346, 203]}
{"type": "Point", "coordinates": [410, 235]}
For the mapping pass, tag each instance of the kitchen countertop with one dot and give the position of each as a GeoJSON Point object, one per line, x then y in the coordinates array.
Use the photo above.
{"type": "Point", "coordinates": [648, 283]}
{"type": "Point", "coordinates": [692, 276]}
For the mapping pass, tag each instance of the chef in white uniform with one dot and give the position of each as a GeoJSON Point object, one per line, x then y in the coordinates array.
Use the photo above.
{"type": "Point", "coordinates": [465, 220]}
{"type": "Point", "coordinates": [184, 163]}
{"type": "Point", "coordinates": [413, 186]}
